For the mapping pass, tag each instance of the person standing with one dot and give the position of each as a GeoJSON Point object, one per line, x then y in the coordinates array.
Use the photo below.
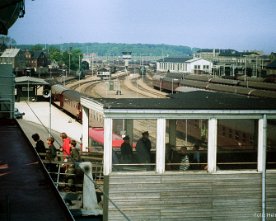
{"type": "Point", "coordinates": [143, 148]}
{"type": "Point", "coordinates": [51, 155]}
{"type": "Point", "coordinates": [52, 151]}
{"type": "Point", "coordinates": [75, 154]}
{"type": "Point", "coordinates": [126, 151]}
{"type": "Point", "coordinates": [39, 146]}
{"type": "Point", "coordinates": [65, 148]}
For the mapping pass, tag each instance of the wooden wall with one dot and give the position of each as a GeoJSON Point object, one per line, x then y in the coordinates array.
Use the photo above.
{"type": "Point", "coordinates": [188, 196]}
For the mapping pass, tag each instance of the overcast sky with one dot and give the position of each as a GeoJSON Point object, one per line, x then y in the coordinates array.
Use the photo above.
{"type": "Point", "coordinates": [236, 24]}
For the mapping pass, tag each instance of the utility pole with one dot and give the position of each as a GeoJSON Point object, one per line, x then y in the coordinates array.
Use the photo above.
{"type": "Point", "coordinates": [69, 53]}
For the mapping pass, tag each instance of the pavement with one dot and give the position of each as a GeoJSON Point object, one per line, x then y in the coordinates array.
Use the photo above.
{"type": "Point", "coordinates": [37, 117]}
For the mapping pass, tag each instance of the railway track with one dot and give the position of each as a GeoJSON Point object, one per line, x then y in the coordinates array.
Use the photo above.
{"type": "Point", "coordinates": [139, 86]}
{"type": "Point", "coordinates": [132, 86]}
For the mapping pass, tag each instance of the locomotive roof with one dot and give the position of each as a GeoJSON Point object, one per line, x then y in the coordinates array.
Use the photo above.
{"type": "Point", "coordinates": [195, 100]}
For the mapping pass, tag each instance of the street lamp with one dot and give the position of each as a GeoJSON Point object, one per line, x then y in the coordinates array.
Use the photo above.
{"type": "Point", "coordinates": [69, 53]}
{"type": "Point", "coordinates": [47, 94]}
{"type": "Point", "coordinates": [69, 65]}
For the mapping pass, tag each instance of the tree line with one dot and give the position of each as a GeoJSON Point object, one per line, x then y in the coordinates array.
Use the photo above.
{"type": "Point", "coordinates": [116, 49]}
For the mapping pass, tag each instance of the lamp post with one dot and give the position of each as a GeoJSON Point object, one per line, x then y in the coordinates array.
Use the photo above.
{"type": "Point", "coordinates": [50, 114]}
{"type": "Point", "coordinates": [69, 53]}
{"type": "Point", "coordinates": [29, 73]}
{"type": "Point", "coordinates": [28, 89]}
{"type": "Point", "coordinates": [79, 72]}
{"type": "Point", "coordinates": [47, 94]}
{"type": "Point", "coordinates": [69, 66]}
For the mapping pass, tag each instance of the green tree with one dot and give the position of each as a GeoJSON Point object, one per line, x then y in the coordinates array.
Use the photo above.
{"type": "Point", "coordinates": [75, 55]}
{"type": "Point", "coordinates": [56, 55]}
{"type": "Point", "coordinates": [37, 47]}
{"type": "Point", "coordinates": [6, 41]}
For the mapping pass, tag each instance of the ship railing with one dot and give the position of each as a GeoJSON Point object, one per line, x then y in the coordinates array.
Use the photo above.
{"type": "Point", "coordinates": [67, 174]}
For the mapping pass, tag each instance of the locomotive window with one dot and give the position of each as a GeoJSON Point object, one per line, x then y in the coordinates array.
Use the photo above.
{"type": "Point", "coordinates": [271, 144]}
{"type": "Point", "coordinates": [238, 150]}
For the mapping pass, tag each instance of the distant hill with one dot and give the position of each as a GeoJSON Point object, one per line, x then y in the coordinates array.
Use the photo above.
{"type": "Point", "coordinates": [116, 49]}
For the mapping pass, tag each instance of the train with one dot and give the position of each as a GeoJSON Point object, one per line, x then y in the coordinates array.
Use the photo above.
{"type": "Point", "coordinates": [173, 83]}
{"type": "Point", "coordinates": [68, 100]}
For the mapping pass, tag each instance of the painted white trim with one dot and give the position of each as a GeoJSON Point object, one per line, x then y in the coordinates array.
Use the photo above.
{"type": "Point", "coordinates": [107, 146]}
{"type": "Point", "coordinates": [91, 104]}
{"type": "Point", "coordinates": [262, 136]}
{"type": "Point", "coordinates": [212, 145]}
{"type": "Point", "coordinates": [187, 114]}
{"type": "Point", "coordinates": [85, 129]}
{"type": "Point", "coordinates": [160, 146]}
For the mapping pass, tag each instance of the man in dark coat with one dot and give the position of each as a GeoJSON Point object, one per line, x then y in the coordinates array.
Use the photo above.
{"type": "Point", "coordinates": [143, 148]}
{"type": "Point", "coordinates": [126, 151]}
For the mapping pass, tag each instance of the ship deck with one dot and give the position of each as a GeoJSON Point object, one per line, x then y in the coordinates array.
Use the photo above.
{"type": "Point", "coordinates": [26, 191]}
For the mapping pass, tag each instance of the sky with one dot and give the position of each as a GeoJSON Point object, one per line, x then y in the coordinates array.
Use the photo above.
{"type": "Point", "coordinates": [226, 24]}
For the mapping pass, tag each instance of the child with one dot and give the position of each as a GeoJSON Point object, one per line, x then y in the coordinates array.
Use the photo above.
{"type": "Point", "coordinates": [65, 148]}
{"type": "Point", "coordinates": [52, 151]}
{"type": "Point", "coordinates": [75, 155]}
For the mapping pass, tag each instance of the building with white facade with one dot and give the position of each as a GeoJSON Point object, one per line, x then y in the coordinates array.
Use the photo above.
{"type": "Point", "coordinates": [184, 65]}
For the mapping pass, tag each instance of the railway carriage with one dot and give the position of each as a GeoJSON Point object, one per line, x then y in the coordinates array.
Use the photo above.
{"type": "Point", "coordinates": [57, 94]}
{"type": "Point", "coordinates": [71, 103]}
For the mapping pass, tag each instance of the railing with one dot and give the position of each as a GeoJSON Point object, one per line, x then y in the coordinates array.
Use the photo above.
{"type": "Point", "coordinates": [68, 176]}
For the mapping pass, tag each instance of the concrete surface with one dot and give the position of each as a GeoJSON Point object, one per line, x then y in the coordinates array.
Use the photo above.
{"type": "Point", "coordinates": [39, 114]}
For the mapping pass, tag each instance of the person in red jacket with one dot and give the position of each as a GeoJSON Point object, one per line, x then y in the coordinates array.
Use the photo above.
{"type": "Point", "coordinates": [65, 148]}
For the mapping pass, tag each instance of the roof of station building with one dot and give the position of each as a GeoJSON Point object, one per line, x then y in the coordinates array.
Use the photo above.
{"type": "Point", "coordinates": [31, 80]}
{"type": "Point", "coordinates": [194, 100]}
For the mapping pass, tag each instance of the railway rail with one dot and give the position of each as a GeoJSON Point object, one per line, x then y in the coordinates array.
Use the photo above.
{"type": "Point", "coordinates": [138, 85]}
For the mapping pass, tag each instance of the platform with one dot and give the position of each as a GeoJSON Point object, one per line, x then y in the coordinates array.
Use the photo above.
{"type": "Point", "coordinates": [38, 114]}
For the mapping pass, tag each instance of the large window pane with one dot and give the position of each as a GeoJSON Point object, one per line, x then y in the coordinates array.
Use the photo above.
{"type": "Point", "coordinates": [237, 144]}
{"type": "Point", "coordinates": [186, 144]}
{"type": "Point", "coordinates": [138, 150]}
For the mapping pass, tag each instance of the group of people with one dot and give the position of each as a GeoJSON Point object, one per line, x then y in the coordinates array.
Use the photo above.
{"type": "Point", "coordinates": [143, 148]}
{"type": "Point", "coordinates": [68, 148]}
